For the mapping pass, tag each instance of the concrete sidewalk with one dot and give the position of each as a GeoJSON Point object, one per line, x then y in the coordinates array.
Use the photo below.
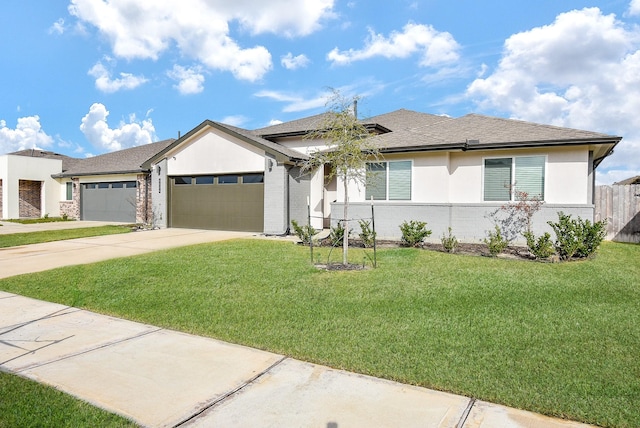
{"type": "Point", "coordinates": [163, 378]}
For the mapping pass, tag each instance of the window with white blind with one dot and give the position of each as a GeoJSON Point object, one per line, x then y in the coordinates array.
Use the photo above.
{"type": "Point", "coordinates": [504, 177]}
{"type": "Point", "coordinates": [389, 181]}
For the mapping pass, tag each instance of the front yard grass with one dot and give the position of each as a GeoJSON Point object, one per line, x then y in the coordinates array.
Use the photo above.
{"type": "Point", "coordinates": [26, 403]}
{"type": "Point", "coordinates": [17, 239]}
{"type": "Point", "coordinates": [559, 339]}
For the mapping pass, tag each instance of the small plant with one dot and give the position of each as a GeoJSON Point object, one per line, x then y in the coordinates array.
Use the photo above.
{"type": "Point", "coordinates": [304, 233]}
{"type": "Point", "coordinates": [336, 235]}
{"type": "Point", "coordinates": [577, 238]}
{"type": "Point", "coordinates": [65, 217]}
{"type": "Point", "coordinates": [449, 242]}
{"type": "Point", "coordinates": [541, 248]}
{"type": "Point", "coordinates": [496, 242]}
{"type": "Point", "coordinates": [414, 232]}
{"type": "Point", "coordinates": [46, 215]}
{"type": "Point", "coordinates": [367, 234]}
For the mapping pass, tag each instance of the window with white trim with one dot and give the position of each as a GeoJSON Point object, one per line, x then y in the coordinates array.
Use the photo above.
{"type": "Point", "coordinates": [389, 181]}
{"type": "Point", "coordinates": [504, 177]}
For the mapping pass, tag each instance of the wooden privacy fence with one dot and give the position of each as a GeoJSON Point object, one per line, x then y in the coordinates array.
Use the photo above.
{"type": "Point", "coordinates": [620, 206]}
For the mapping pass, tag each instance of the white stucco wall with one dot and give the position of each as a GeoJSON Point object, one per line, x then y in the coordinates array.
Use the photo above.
{"type": "Point", "coordinates": [303, 145]}
{"type": "Point", "coordinates": [15, 168]}
{"type": "Point", "coordinates": [457, 177]}
{"type": "Point", "coordinates": [212, 152]}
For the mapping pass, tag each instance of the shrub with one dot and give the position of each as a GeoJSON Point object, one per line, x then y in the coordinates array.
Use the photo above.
{"type": "Point", "coordinates": [304, 233]}
{"type": "Point", "coordinates": [367, 234]}
{"type": "Point", "coordinates": [336, 235]}
{"type": "Point", "coordinates": [515, 218]}
{"type": "Point", "coordinates": [449, 242]}
{"type": "Point", "coordinates": [541, 248]}
{"type": "Point", "coordinates": [496, 242]}
{"type": "Point", "coordinates": [577, 238]}
{"type": "Point", "coordinates": [414, 232]}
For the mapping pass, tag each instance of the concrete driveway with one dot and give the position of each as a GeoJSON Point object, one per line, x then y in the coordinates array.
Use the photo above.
{"type": "Point", "coordinates": [50, 255]}
{"type": "Point", "coordinates": [164, 378]}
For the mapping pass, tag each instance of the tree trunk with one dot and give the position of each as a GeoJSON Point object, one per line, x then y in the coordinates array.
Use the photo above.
{"type": "Point", "coordinates": [345, 236]}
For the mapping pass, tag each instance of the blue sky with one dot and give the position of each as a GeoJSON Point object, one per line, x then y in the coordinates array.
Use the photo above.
{"type": "Point", "coordinates": [85, 77]}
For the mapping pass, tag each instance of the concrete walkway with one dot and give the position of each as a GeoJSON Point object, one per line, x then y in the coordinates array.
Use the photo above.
{"type": "Point", "coordinates": [163, 378]}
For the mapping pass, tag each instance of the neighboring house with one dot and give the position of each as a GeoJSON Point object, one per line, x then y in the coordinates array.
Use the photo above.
{"type": "Point", "coordinates": [27, 189]}
{"type": "Point", "coordinates": [628, 181]}
{"type": "Point", "coordinates": [449, 172]}
{"type": "Point", "coordinates": [110, 187]}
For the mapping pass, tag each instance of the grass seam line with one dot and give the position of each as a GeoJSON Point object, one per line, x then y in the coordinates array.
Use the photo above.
{"type": "Point", "coordinates": [230, 393]}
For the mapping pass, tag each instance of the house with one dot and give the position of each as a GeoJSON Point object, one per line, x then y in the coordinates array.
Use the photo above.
{"type": "Point", "coordinates": [111, 187]}
{"type": "Point", "coordinates": [449, 172]}
{"type": "Point", "coordinates": [27, 188]}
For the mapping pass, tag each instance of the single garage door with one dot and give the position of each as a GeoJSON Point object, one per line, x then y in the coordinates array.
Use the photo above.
{"type": "Point", "coordinates": [112, 201]}
{"type": "Point", "coordinates": [218, 202]}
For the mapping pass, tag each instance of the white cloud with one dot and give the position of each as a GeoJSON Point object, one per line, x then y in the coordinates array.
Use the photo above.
{"type": "Point", "coordinates": [634, 8]}
{"type": "Point", "coordinates": [190, 80]}
{"type": "Point", "coordinates": [295, 103]}
{"type": "Point", "coordinates": [199, 29]}
{"type": "Point", "coordinates": [291, 62]}
{"type": "Point", "coordinates": [105, 83]}
{"type": "Point", "coordinates": [57, 27]}
{"type": "Point", "coordinates": [581, 71]}
{"type": "Point", "coordinates": [435, 47]}
{"type": "Point", "coordinates": [96, 129]}
{"type": "Point", "coordinates": [28, 134]}
{"type": "Point", "coordinates": [234, 120]}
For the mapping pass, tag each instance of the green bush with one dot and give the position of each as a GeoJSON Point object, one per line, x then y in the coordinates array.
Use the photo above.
{"type": "Point", "coordinates": [496, 242]}
{"type": "Point", "coordinates": [304, 233]}
{"type": "Point", "coordinates": [414, 232]}
{"type": "Point", "coordinates": [577, 238]}
{"type": "Point", "coordinates": [336, 235]}
{"type": "Point", "coordinates": [367, 234]}
{"type": "Point", "coordinates": [541, 248]}
{"type": "Point", "coordinates": [449, 242]}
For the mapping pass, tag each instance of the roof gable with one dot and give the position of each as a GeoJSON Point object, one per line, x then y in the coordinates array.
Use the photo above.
{"type": "Point", "coordinates": [250, 137]}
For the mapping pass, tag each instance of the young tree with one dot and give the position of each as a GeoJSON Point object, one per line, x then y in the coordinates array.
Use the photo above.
{"type": "Point", "coordinates": [349, 150]}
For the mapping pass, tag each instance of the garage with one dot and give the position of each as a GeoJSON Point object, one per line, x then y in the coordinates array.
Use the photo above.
{"type": "Point", "coordinates": [218, 202]}
{"type": "Point", "coordinates": [109, 201]}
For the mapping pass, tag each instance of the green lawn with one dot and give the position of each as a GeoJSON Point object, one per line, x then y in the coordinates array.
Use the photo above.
{"type": "Point", "coordinates": [24, 403]}
{"type": "Point", "coordinates": [559, 339]}
{"type": "Point", "coordinates": [16, 239]}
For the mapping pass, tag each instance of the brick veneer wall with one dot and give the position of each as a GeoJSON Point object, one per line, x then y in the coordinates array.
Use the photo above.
{"type": "Point", "coordinates": [30, 199]}
{"type": "Point", "coordinates": [72, 208]}
{"type": "Point", "coordinates": [144, 207]}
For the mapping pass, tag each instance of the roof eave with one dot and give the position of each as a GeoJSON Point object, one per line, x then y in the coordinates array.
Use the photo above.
{"type": "Point", "coordinates": [85, 174]}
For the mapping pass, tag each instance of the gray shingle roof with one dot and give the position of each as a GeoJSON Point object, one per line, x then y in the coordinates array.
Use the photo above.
{"type": "Point", "coordinates": [478, 131]}
{"type": "Point", "coordinates": [67, 162]}
{"type": "Point", "coordinates": [120, 162]}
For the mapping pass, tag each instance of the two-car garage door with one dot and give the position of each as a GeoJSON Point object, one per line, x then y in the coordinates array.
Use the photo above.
{"type": "Point", "coordinates": [218, 202]}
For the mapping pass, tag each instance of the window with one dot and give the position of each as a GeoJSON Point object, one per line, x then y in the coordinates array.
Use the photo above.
{"type": "Point", "coordinates": [204, 179]}
{"type": "Point", "coordinates": [228, 179]}
{"type": "Point", "coordinates": [389, 181]}
{"type": "Point", "coordinates": [103, 185]}
{"type": "Point", "coordinates": [69, 191]}
{"type": "Point", "coordinates": [131, 184]}
{"type": "Point", "coordinates": [503, 176]}
{"type": "Point", "coordinates": [118, 185]}
{"type": "Point", "coordinates": [181, 180]}
{"type": "Point", "coordinates": [252, 178]}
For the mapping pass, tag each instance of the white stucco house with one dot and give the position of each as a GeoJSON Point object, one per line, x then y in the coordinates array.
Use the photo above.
{"type": "Point", "coordinates": [449, 172]}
